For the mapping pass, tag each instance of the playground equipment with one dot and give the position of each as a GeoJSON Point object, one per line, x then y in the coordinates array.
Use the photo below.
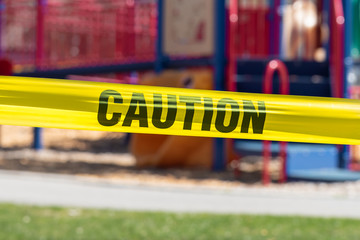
{"type": "Point", "coordinates": [355, 25]}
{"type": "Point", "coordinates": [63, 38]}
{"type": "Point", "coordinates": [307, 77]}
{"type": "Point", "coordinates": [59, 38]}
{"type": "Point", "coordinates": [164, 151]}
{"type": "Point", "coordinates": [253, 24]}
{"type": "Point", "coordinates": [60, 34]}
{"type": "Point", "coordinates": [6, 69]}
{"type": "Point", "coordinates": [275, 65]}
{"type": "Point", "coordinates": [352, 56]}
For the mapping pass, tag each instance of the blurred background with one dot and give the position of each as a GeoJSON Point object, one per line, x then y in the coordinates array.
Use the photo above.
{"type": "Point", "coordinates": [206, 44]}
{"type": "Point", "coordinates": [296, 47]}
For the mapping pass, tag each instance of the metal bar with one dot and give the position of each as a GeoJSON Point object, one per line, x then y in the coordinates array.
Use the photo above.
{"type": "Point", "coordinates": [271, 68]}
{"type": "Point", "coordinates": [38, 143]}
{"type": "Point", "coordinates": [337, 21]}
{"type": "Point", "coordinates": [231, 65]}
{"type": "Point", "coordinates": [337, 45]}
{"type": "Point", "coordinates": [326, 19]}
{"type": "Point", "coordinates": [274, 27]}
{"type": "Point", "coordinates": [62, 73]}
{"type": "Point", "coordinates": [159, 40]}
{"type": "Point", "coordinates": [348, 41]}
{"type": "Point", "coordinates": [192, 62]}
{"type": "Point", "coordinates": [219, 74]}
{"type": "Point", "coordinates": [39, 54]}
{"type": "Point", "coordinates": [300, 68]}
{"type": "Point", "coordinates": [345, 154]}
{"type": "Point", "coordinates": [266, 161]}
{"type": "Point", "coordinates": [126, 67]}
{"type": "Point", "coordinates": [281, 29]}
{"type": "Point", "coordinates": [232, 48]}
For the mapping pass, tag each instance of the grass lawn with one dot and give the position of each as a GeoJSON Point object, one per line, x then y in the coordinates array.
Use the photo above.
{"type": "Point", "coordinates": [28, 222]}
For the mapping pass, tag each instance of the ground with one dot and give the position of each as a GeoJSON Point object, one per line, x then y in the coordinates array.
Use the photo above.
{"type": "Point", "coordinates": [101, 160]}
{"type": "Point", "coordinates": [95, 154]}
{"type": "Point", "coordinates": [104, 155]}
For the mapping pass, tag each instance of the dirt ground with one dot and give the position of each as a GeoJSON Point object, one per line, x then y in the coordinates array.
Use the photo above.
{"type": "Point", "coordinates": [100, 155]}
{"type": "Point", "coordinates": [104, 157]}
{"type": "Point", "coordinates": [18, 137]}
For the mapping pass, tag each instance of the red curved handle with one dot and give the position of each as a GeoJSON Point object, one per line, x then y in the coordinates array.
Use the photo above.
{"type": "Point", "coordinates": [271, 68]}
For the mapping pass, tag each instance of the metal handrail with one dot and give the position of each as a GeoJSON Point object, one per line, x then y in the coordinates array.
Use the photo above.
{"type": "Point", "coordinates": [337, 48]}
{"type": "Point", "coordinates": [271, 68]}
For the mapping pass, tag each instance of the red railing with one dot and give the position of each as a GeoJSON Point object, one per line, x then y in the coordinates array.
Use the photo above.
{"type": "Point", "coordinates": [249, 29]}
{"type": "Point", "coordinates": [271, 68]}
{"type": "Point", "coordinates": [18, 32]}
{"type": "Point", "coordinates": [249, 35]}
{"type": "Point", "coordinates": [337, 21]}
{"type": "Point", "coordinates": [57, 34]}
{"type": "Point", "coordinates": [337, 48]}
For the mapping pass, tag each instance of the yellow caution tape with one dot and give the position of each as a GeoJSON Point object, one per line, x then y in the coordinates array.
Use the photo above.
{"type": "Point", "coordinates": [158, 110]}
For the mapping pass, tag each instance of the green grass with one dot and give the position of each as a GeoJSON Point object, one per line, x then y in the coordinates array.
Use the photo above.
{"type": "Point", "coordinates": [29, 222]}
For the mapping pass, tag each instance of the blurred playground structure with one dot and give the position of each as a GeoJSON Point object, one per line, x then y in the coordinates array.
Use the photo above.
{"type": "Point", "coordinates": [164, 151]}
{"type": "Point", "coordinates": [58, 34]}
{"type": "Point", "coordinates": [317, 42]}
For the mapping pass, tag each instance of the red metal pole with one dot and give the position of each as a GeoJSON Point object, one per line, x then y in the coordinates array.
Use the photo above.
{"type": "Point", "coordinates": [283, 158]}
{"type": "Point", "coordinates": [271, 68]}
{"type": "Point", "coordinates": [231, 67]}
{"type": "Point", "coordinates": [266, 161]}
{"type": "Point", "coordinates": [251, 31]}
{"type": "Point", "coordinates": [262, 28]}
{"type": "Point", "coordinates": [234, 21]}
{"type": "Point", "coordinates": [337, 20]}
{"type": "Point", "coordinates": [337, 47]}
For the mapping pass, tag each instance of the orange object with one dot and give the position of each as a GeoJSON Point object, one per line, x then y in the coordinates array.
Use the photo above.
{"type": "Point", "coordinates": [174, 151]}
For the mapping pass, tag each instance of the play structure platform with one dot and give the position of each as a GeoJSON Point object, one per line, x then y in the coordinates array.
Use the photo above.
{"type": "Point", "coordinates": [305, 162]}
{"type": "Point", "coordinates": [324, 175]}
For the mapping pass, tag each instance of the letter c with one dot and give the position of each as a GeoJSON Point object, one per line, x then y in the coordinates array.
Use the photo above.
{"type": "Point", "coordinates": [103, 107]}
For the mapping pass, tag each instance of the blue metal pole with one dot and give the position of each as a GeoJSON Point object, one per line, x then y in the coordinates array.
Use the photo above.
{"type": "Point", "coordinates": [281, 29]}
{"type": "Point", "coordinates": [272, 26]}
{"type": "Point", "coordinates": [159, 41]}
{"type": "Point", "coordinates": [219, 74]}
{"type": "Point", "coordinates": [326, 18]}
{"type": "Point", "coordinates": [345, 154]}
{"type": "Point", "coordinates": [275, 28]}
{"type": "Point", "coordinates": [347, 41]}
{"type": "Point", "coordinates": [37, 144]}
